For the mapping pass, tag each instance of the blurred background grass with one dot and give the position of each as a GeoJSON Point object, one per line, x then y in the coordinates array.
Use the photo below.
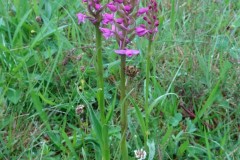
{"type": "Point", "coordinates": [46, 71]}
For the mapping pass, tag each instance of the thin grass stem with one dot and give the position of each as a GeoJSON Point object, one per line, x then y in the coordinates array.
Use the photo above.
{"type": "Point", "coordinates": [100, 94]}
{"type": "Point", "coordinates": [123, 146]}
{"type": "Point", "coordinates": [146, 106]}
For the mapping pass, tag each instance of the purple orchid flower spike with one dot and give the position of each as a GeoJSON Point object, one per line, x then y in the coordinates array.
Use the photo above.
{"type": "Point", "coordinates": [150, 17]}
{"type": "Point", "coordinates": [96, 16]}
{"type": "Point", "coordinates": [122, 19]}
{"type": "Point", "coordinates": [123, 25]}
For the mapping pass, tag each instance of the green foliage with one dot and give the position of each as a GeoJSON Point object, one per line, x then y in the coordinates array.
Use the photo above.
{"type": "Point", "coordinates": [47, 70]}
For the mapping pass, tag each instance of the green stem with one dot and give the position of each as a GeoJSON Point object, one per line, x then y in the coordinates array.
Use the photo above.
{"type": "Point", "coordinates": [124, 150]}
{"type": "Point", "coordinates": [100, 94]}
{"type": "Point", "coordinates": [149, 55]}
{"type": "Point", "coordinates": [100, 81]}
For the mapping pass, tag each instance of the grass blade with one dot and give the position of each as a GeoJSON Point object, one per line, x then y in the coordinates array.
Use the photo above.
{"type": "Point", "coordinates": [214, 92]}
{"type": "Point", "coordinates": [39, 107]}
{"type": "Point", "coordinates": [68, 143]}
{"type": "Point", "coordinates": [23, 19]}
{"type": "Point", "coordinates": [97, 127]}
{"type": "Point", "coordinates": [139, 117]}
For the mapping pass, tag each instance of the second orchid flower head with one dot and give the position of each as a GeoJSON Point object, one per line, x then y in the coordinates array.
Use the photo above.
{"type": "Point", "coordinates": [120, 21]}
{"type": "Point", "coordinates": [150, 27]}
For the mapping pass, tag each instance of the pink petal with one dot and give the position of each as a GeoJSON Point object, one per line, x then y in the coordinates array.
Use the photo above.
{"type": "Point", "coordinates": [131, 52]}
{"type": "Point", "coordinates": [127, 52]}
{"type": "Point", "coordinates": [119, 20]}
{"type": "Point", "coordinates": [120, 51]}
{"type": "Point", "coordinates": [98, 6]}
{"type": "Point", "coordinates": [156, 23]}
{"type": "Point", "coordinates": [141, 30]}
{"type": "Point", "coordinates": [112, 7]}
{"type": "Point", "coordinates": [107, 33]}
{"type": "Point", "coordinates": [81, 18]}
{"type": "Point", "coordinates": [108, 18]}
{"type": "Point", "coordinates": [142, 11]}
{"type": "Point", "coordinates": [119, 1]}
{"type": "Point", "coordinates": [127, 8]}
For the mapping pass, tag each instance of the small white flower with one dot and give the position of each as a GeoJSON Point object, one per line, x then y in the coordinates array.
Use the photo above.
{"type": "Point", "coordinates": [140, 154]}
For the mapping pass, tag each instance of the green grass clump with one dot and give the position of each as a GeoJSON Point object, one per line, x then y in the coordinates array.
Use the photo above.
{"type": "Point", "coordinates": [47, 70]}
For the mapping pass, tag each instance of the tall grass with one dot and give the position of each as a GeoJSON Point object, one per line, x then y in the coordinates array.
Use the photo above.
{"type": "Point", "coordinates": [47, 70]}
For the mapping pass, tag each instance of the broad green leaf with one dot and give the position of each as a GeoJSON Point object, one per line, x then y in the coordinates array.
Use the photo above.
{"type": "Point", "coordinates": [84, 154]}
{"type": "Point", "coordinates": [139, 116]}
{"type": "Point", "coordinates": [151, 148]}
{"type": "Point", "coordinates": [13, 95]}
{"type": "Point", "coordinates": [97, 127]}
{"type": "Point", "coordinates": [183, 147]}
{"type": "Point", "coordinates": [190, 126]}
{"type": "Point", "coordinates": [167, 135]}
{"type": "Point", "coordinates": [174, 121]}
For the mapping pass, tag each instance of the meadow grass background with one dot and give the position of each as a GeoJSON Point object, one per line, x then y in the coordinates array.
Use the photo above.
{"type": "Point", "coordinates": [47, 70]}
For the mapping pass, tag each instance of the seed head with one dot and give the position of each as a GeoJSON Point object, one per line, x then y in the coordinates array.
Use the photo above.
{"type": "Point", "coordinates": [79, 109]}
